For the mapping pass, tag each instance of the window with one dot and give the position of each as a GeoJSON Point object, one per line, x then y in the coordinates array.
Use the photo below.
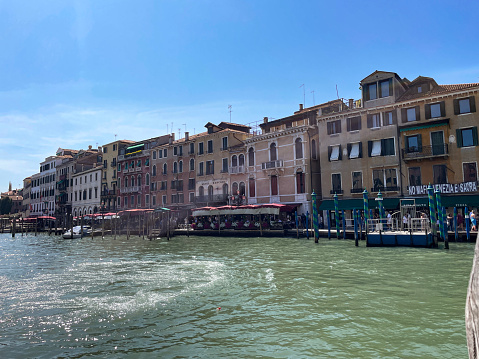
{"type": "Point", "coordinates": [300, 182]}
{"type": "Point", "coordinates": [313, 149]}
{"type": "Point", "coordinates": [234, 161]}
{"type": "Point", "coordinates": [192, 164]}
{"type": "Point", "coordinates": [154, 155]}
{"type": "Point", "coordinates": [163, 199]}
{"type": "Point", "coordinates": [153, 200]}
{"type": "Point", "coordinates": [210, 192]}
{"type": "Point", "coordinates": [272, 152]}
{"type": "Point", "coordinates": [192, 148]}
{"type": "Point", "coordinates": [165, 168]}
{"type": "Point", "coordinates": [384, 147]}
{"type": "Point", "coordinates": [370, 92]}
{"type": "Point", "coordinates": [180, 150]}
{"type": "Point", "coordinates": [435, 110]}
{"type": "Point", "coordinates": [252, 188]}
{"type": "Point", "coordinates": [274, 185]}
{"type": "Point", "coordinates": [440, 174]}
{"type": "Point", "coordinates": [160, 153]}
{"type": "Point", "coordinates": [251, 156]}
{"type": "Point", "coordinates": [355, 150]}
{"type": "Point", "coordinates": [334, 127]}
{"type": "Point", "coordinates": [192, 197]}
{"type": "Point", "coordinates": [334, 153]}
{"type": "Point", "coordinates": [105, 149]}
{"type": "Point", "coordinates": [165, 152]}
{"type": "Point", "coordinates": [224, 166]}
{"type": "Point", "coordinates": [374, 120]}
{"type": "Point", "coordinates": [464, 105]}
{"type": "Point", "coordinates": [470, 171]}
{"type": "Point", "coordinates": [126, 201]}
{"type": "Point", "coordinates": [375, 148]}
{"type": "Point", "coordinates": [175, 167]}
{"type": "Point", "coordinates": [191, 184]}
{"type": "Point", "coordinates": [466, 137]}
{"type": "Point", "coordinates": [175, 150]}
{"type": "Point", "coordinates": [180, 167]}
{"type": "Point", "coordinates": [413, 143]}
{"type": "Point", "coordinates": [415, 176]}
{"type": "Point", "coordinates": [389, 118]}
{"type": "Point", "coordinates": [147, 180]}
{"type": "Point", "coordinates": [164, 185]}
{"type": "Point", "coordinates": [224, 143]}
{"type": "Point", "coordinates": [336, 183]}
{"type": "Point", "coordinates": [410, 114]}
{"type": "Point", "coordinates": [119, 167]}
{"type": "Point", "coordinates": [298, 146]}
{"type": "Point", "coordinates": [154, 170]}
{"type": "Point", "coordinates": [210, 167]}
{"type": "Point", "coordinates": [354, 123]}
{"type": "Point", "coordinates": [385, 180]}
{"type": "Point", "coordinates": [241, 160]}
{"type": "Point", "coordinates": [210, 146]}
{"type": "Point", "coordinates": [201, 169]}
{"type": "Point", "coordinates": [386, 88]}
{"type": "Point", "coordinates": [105, 163]}
{"type": "Point", "coordinates": [201, 149]}
{"type": "Point", "coordinates": [357, 178]}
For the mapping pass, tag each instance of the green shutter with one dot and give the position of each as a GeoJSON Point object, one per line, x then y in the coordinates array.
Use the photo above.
{"type": "Point", "coordinates": [472, 103]}
{"type": "Point", "coordinates": [443, 109]}
{"type": "Point", "coordinates": [370, 147]}
{"type": "Point", "coordinates": [418, 117]}
{"type": "Point", "coordinates": [459, 137]}
{"type": "Point", "coordinates": [419, 143]}
{"type": "Point", "coordinates": [360, 150]}
{"type": "Point", "coordinates": [427, 110]}
{"type": "Point", "coordinates": [474, 136]}
{"type": "Point", "coordinates": [340, 153]}
{"type": "Point", "coordinates": [456, 106]}
{"type": "Point", "coordinates": [349, 150]}
{"type": "Point", "coordinates": [404, 115]}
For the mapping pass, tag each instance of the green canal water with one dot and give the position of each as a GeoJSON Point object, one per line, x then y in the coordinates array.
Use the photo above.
{"type": "Point", "coordinates": [279, 298]}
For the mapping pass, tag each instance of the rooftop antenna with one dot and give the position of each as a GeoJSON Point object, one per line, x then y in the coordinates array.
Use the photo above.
{"type": "Point", "coordinates": [304, 95]}
{"type": "Point", "coordinates": [115, 136]}
{"type": "Point", "coordinates": [314, 102]}
{"type": "Point", "coordinates": [184, 124]}
{"type": "Point", "coordinates": [179, 133]}
{"type": "Point", "coordinates": [229, 108]}
{"type": "Point", "coordinates": [337, 93]}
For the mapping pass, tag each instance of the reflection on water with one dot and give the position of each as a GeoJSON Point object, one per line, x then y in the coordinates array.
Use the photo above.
{"type": "Point", "coordinates": [279, 298]}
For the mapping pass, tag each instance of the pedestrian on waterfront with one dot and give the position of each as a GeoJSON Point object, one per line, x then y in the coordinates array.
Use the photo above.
{"type": "Point", "coordinates": [460, 221]}
{"type": "Point", "coordinates": [390, 221]}
{"type": "Point", "coordinates": [449, 222]}
{"type": "Point", "coordinates": [404, 221]}
{"type": "Point", "coordinates": [472, 216]}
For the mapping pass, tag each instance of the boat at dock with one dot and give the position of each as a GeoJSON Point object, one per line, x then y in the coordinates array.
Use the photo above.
{"type": "Point", "coordinates": [78, 232]}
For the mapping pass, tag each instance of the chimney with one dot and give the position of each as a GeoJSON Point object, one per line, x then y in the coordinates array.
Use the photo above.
{"type": "Point", "coordinates": [301, 107]}
{"type": "Point", "coordinates": [172, 138]}
{"type": "Point", "coordinates": [351, 103]}
{"type": "Point", "coordinates": [187, 136]}
{"type": "Point", "coordinates": [265, 119]}
{"type": "Point", "coordinates": [89, 147]}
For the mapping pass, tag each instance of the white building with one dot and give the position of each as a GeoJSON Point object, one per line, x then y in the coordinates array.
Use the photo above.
{"type": "Point", "coordinates": [86, 191]}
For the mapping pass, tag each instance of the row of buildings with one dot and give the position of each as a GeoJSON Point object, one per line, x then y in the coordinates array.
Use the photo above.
{"type": "Point", "coordinates": [399, 137]}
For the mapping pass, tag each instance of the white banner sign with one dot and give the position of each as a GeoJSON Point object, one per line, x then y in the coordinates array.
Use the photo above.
{"type": "Point", "coordinates": [464, 187]}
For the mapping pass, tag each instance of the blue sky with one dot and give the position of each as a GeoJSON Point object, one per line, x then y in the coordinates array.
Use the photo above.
{"type": "Point", "coordinates": [77, 73]}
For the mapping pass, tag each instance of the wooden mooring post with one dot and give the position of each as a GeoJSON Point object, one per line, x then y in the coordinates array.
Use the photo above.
{"type": "Point", "coordinates": [472, 307]}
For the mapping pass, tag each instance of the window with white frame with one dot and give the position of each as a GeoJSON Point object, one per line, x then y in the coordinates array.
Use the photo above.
{"type": "Point", "coordinates": [334, 153]}
{"type": "Point", "coordinates": [376, 148]}
{"type": "Point", "coordinates": [354, 152]}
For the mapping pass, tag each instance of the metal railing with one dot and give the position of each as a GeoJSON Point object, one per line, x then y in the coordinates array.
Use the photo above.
{"type": "Point", "coordinates": [425, 151]}
{"type": "Point", "coordinates": [272, 164]}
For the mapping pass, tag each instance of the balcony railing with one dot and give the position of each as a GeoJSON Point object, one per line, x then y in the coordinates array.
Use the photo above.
{"type": "Point", "coordinates": [237, 169]}
{"type": "Point", "coordinates": [108, 193]}
{"type": "Point", "coordinates": [216, 198]}
{"type": "Point", "coordinates": [272, 164]}
{"type": "Point", "coordinates": [132, 189]}
{"type": "Point", "coordinates": [413, 153]}
{"type": "Point", "coordinates": [357, 190]}
{"type": "Point", "coordinates": [337, 191]}
{"type": "Point", "coordinates": [385, 189]}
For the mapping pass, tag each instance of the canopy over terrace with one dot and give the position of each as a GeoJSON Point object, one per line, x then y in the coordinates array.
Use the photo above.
{"type": "Point", "coordinates": [271, 208]}
{"type": "Point", "coordinates": [135, 212]}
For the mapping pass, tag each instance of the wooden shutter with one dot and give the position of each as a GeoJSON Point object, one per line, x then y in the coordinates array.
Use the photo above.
{"type": "Point", "coordinates": [340, 153]}
{"type": "Point", "coordinates": [370, 121]}
{"type": "Point", "coordinates": [348, 124]}
{"type": "Point", "coordinates": [349, 150]}
{"type": "Point", "coordinates": [427, 110]}
{"type": "Point", "coordinates": [395, 117]}
{"type": "Point", "coordinates": [443, 108]}
{"type": "Point", "coordinates": [419, 143]}
{"type": "Point", "coordinates": [404, 115]}
{"type": "Point", "coordinates": [472, 103]}
{"type": "Point", "coordinates": [328, 124]}
{"type": "Point", "coordinates": [329, 153]}
{"type": "Point", "coordinates": [417, 113]}
{"type": "Point", "coordinates": [474, 136]}
{"type": "Point", "coordinates": [383, 145]}
{"type": "Point", "coordinates": [338, 122]}
{"type": "Point", "coordinates": [459, 137]}
{"type": "Point", "coordinates": [370, 147]}
{"type": "Point", "coordinates": [360, 150]}
{"type": "Point", "coordinates": [456, 107]}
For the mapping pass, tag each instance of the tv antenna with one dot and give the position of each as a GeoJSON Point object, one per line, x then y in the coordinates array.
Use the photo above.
{"type": "Point", "coordinates": [304, 95]}
{"type": "Point", "coordinates": [229, 109]}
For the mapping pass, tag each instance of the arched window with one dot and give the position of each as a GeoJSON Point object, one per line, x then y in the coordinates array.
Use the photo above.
{"type": "Point", "coordinates": [272, 152]}
{"type": "Point", "coordinates": [154, 170]}
{"type": "Point", "coordinates": [299, 181]}
{"type": "Point", "coordinates": [210, 193]}
{"type": "Point", "coordinates": [251, 156]}
{"type": "Point", "coordinates": [119, 182]}
{"type": "Point", "coordinates": [225, 189]}
{"type": "Point", "coordinates": [147, 179]}
{"type": "Point", "coordinates": [313, 149]}
{"type": "Point", "coordinates": [192, 164]}
{"type": "Point", "coordinates": [298, 147]}
{"type": "Point", "coordinates": [234, 161]}
{"type": "Point", "coordinates": [126, 181]}
{"type": "Point", "coordinates": [274, 185]}
{"type": "Point", "coordinates": [180, 167]}
{"type": "Point", "coordinates": [165, 168]}
{"type": "Point", "coordinates": [139, 180]}
{"type": "Point", "coordinates": [175, 167]}
{"type": "Point", "coordinates": [132, 179]}
{"type": "Point", "coordinates": [234, 189]}
{"type": "Point", "coordinates": [241, 160]}
{"type": "Point", "coordinates": [201, 191]}
{"type": "Point", "coordinates": [252, 188]}
{"type": "Point", "coordinates": [242, 189]}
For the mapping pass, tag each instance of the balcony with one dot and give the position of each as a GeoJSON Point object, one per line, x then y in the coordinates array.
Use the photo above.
{"type": "Point", "coordinates": [108, 193]}
{"type": "Point", "coordinates": [216, 198]}
{"type": "Point", "coordinates": [357, 190]}
{"type": "Point", "coordinates": [385, 189]}
{"type": "Point", "coordinates": [422, 152]}
{"type": "Point", "coordinates": [239, 169]}
{"type": "Point", "coordinates": [133, 189]}
{"type": "Point", "coordinates": [272, 164]}
{"type": "Point", "coordinates": [336, 191]}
